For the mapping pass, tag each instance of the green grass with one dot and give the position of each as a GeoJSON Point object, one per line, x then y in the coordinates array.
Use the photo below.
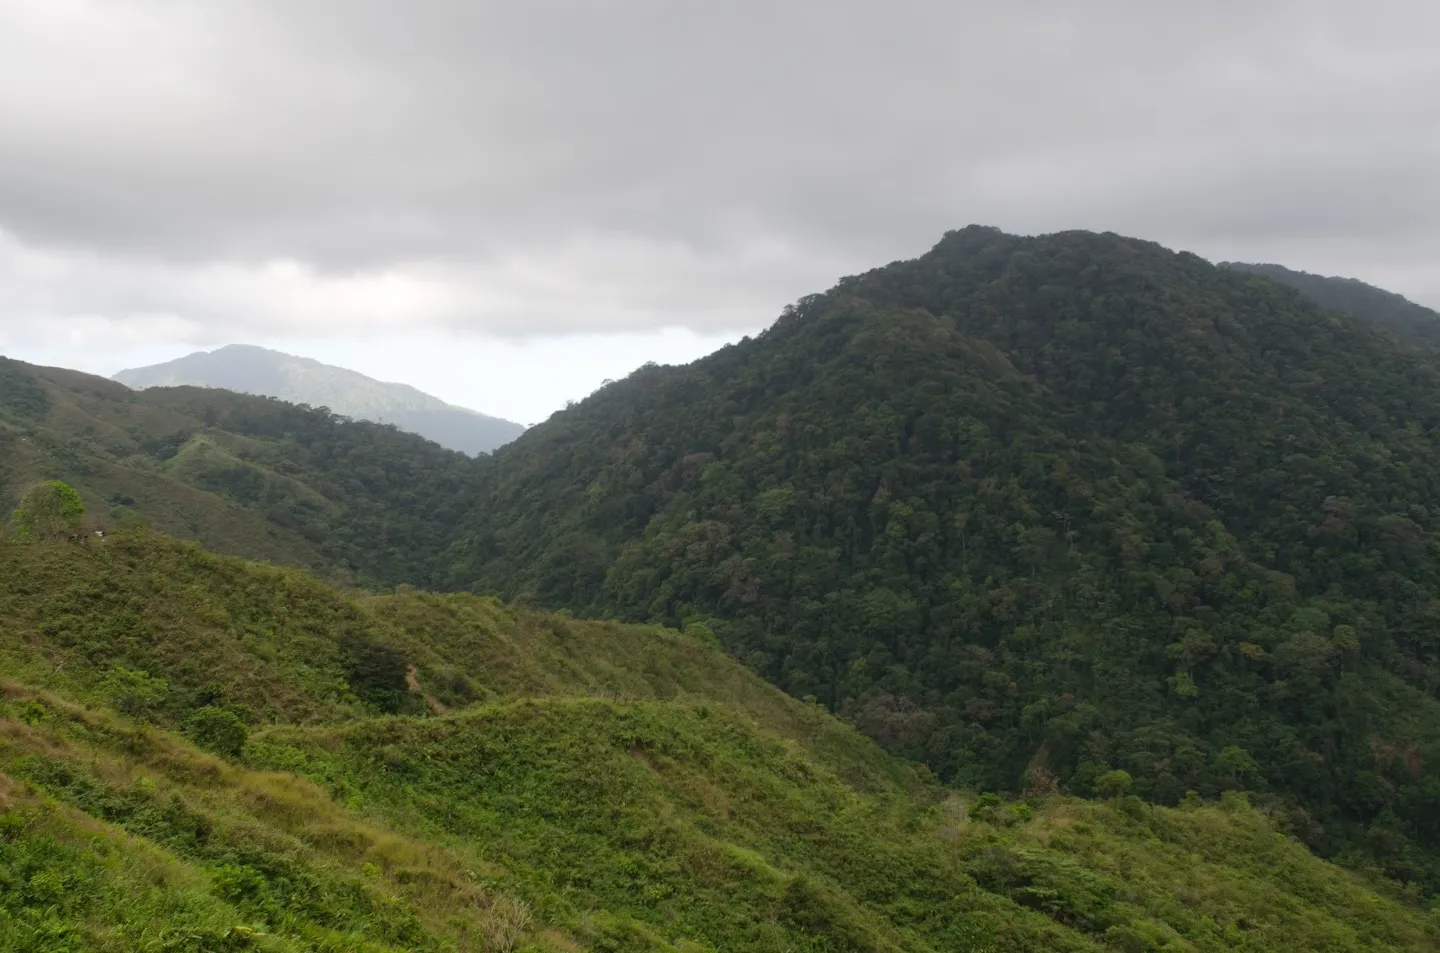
{"type": "Point", "coordinates": [448, 773]}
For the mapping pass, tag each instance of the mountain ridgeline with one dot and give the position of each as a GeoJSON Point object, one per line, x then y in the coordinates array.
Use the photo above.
{"type": "Point", "coordinates": [351, 500]}
{"type": "Point", "coordinates": [1034, 509]}
{"type": "Point", "coordinates": [1396, 315]}
{"type": "Point", "coordinates": [299, 380]}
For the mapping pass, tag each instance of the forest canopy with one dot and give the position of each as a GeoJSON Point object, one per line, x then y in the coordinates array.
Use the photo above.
{"type": "Point", "coordinates": [1034, 509]}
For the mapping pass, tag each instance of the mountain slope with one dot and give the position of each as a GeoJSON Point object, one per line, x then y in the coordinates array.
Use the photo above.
{"type": "Point", "coordinates": [248, 475]}
{"type": "Point", "coordinates": [1037, 508]}
{"type": "Point", "coordinates": [593, 787]}
{"type": "Point", "coordinates": [299, 380]}
{"type": "Point", "coordinates": [1386, 310]}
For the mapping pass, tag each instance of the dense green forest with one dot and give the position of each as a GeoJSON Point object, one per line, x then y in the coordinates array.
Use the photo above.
{"type": "Point", "coordinates": [1392, 313]}
{"type": "Point", "coordinates": [245, 475]}
{"type": "Point", "coordinates": [200, 754]}
{"type": "Point", "coordinates": [1033, 510]}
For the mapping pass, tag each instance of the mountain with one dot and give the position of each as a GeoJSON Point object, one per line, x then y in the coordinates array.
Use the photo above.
{"type": "Point", "coordinates": [1035, 509]}
{"type": "Point", "coordinates": [202, 754]}
{"type": "Point", "coordinates": [253, 476]}
{"type": "Point", "coordinates": [299, 380]}
{"type": "Point", "coordinates": [1386, 310]}
{"type": "Point", "coordinates": [1037, 512]}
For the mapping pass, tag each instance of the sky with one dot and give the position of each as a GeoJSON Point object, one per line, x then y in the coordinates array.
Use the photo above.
{"type": "Point", "coordinates": [505, 204]}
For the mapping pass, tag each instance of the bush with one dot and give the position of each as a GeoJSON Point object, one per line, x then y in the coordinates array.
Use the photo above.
{"type": "Point", "coordinates": [505, 924]}
{"type": "Point", "coordinates": [217, 730]}
{"type": "Point", "coordinates": [134, 692]}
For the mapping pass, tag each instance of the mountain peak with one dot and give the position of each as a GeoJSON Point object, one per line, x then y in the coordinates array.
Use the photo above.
{"type": "Point", "coordinates": [251, 369]}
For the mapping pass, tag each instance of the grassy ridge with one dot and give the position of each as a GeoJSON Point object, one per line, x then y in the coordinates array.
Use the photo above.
{"type": "Point", "coordinates": [431, 772]}
{"type": "Point", "coordinates": [281, 646]}
{"type": "Point", "coordinates": [240, 859]}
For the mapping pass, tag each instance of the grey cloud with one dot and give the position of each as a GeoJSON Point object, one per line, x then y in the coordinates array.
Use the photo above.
{"type": "Point", "coordinates": [572, 164]}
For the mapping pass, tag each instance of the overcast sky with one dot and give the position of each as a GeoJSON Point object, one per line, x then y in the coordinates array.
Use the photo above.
{"type": "Point", "coordinates": [511, 196]}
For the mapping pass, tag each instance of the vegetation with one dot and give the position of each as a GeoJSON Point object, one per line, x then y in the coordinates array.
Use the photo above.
{"type": "Point", "coordinates": [1043, 508]}
{"type": "Point", "coordinates": [1401, 318]}
{"type": "Point", "coordinates": [246, 475]}
{"type": "Point", "coordinates": [48, 511]}
{"type": "Point", "coordinates": [549, 784]}
{"type": "Point", "coordinates": [1070, 513]}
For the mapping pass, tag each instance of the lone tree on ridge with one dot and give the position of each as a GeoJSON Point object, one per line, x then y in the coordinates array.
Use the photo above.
{"type": "Point", "coordinates": [51, 510]}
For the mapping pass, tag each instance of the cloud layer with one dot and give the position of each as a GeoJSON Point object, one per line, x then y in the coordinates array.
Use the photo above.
{"type": "Point", "coordinates": [231, 169]}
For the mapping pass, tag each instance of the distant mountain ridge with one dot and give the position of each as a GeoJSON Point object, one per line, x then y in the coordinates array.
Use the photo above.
{"type": "Point", "coordinates": [301, 380]}
{"type": "Point", "coordinates": [1389, 312]}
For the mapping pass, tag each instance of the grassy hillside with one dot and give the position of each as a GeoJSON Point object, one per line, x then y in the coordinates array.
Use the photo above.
{"type": "Point", "coordinates": [429, 772]}
{"type": "Point", "coordinates": [256, 370]}
{"type": "Point", "coordinates": [1037, 507]}
{"type": "Point", "coordinates": [246, 475]}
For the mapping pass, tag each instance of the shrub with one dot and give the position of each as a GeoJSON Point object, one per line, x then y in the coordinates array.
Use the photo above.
{"type": "Point", "coordinates": [134, 692]}
{"type": "Point", "coordinates": [506, 922]}
{"type": "Point", "coordinates": [217, 730]}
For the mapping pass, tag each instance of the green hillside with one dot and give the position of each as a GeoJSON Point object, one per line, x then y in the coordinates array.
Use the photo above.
{"type": "Point", "coordinates": [245, 475]}
{"type": "Point", "coordinates": [1387, 311]}
{"type": "Point", "coordinates": [1037, 508]}
{"type": "Point", "coordinates": [200, 754]}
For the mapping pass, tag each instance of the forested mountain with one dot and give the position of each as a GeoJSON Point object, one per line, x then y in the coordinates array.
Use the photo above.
{"type": "Point", "coordinates": [1032, 509]}
{"type": "Point", "coordinates": [300, 380]}
{"type": "Point", "coordinates": [1397, 315]}
{"type": "Point", "coordinates": [246, 475]}
{"type": "Point", "coordinates": [199, 754]}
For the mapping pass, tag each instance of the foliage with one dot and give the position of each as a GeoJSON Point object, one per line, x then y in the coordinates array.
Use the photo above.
{"type": "Point", "coordinates": [1031, 511]}
{"type": "Point", "coordinates": [605, 787]}
{"type": "Point", "coordinates": [134, 692]}
{"type": "Point", "coordinates": [48, 511]}
{"type": "Point", "coordinates": [22, 398]}
{"type": "Point", "coordinates": [217, 730]}
{"type": "Point", "coordinates": [1114, 783]}
{"type": "Point", "coordinates": [355, 501]}
{"type": "Point", "coordinates": [1074, 503]}
{"type": "Point", "coordinates": [1402, 318]}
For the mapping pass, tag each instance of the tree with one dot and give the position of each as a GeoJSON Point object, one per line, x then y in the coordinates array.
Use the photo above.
{"type": "Point", "coordinates": [1113, 784]}
{"type": "Point", "coordinates": [218, 730]}
{"type": "Point", "coordinates": [48, 511]}
{"type": "Point", "coordinates": [1236, 767]}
